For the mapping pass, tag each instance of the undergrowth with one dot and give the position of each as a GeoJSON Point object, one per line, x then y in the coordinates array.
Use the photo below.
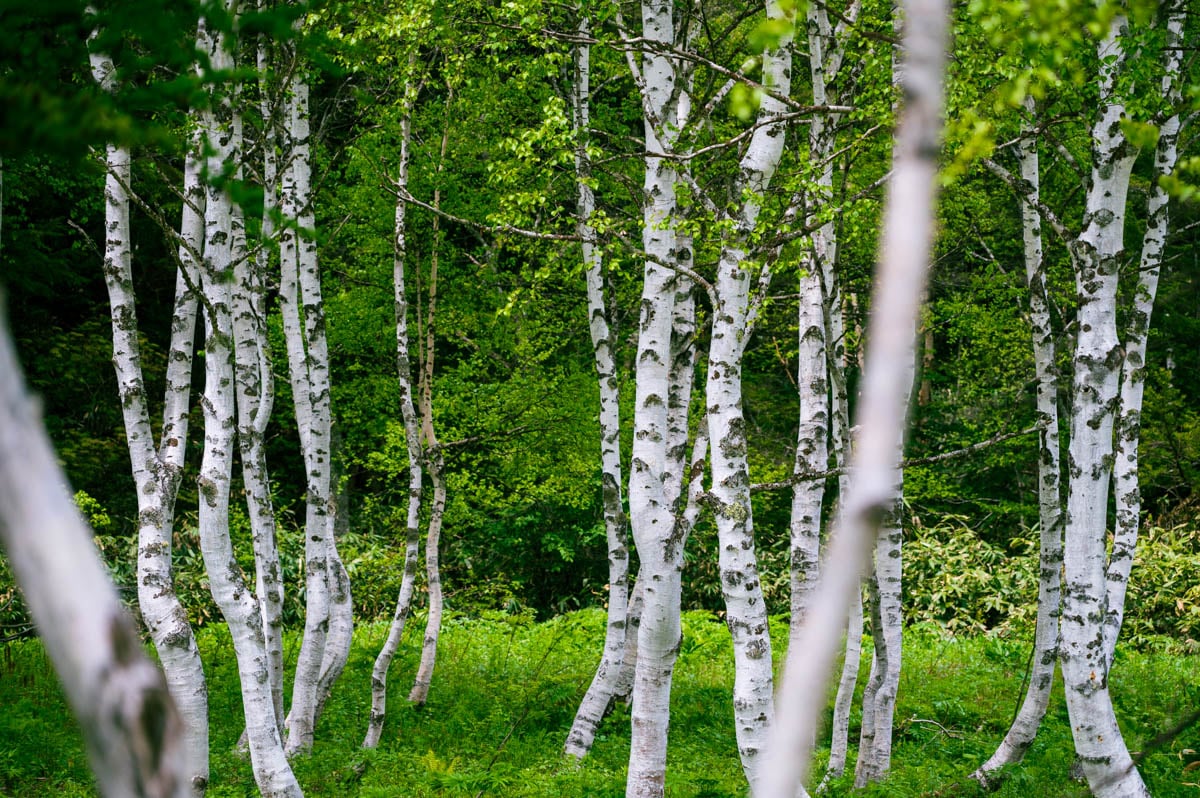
{"type": "Point", "coordinates": [506, 689]}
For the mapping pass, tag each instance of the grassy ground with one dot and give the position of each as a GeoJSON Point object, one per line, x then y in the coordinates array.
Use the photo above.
{"type": "Point", "coordinates": [506, 689]}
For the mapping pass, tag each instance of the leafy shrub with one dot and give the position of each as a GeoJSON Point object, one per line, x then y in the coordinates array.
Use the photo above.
{"type": "Point", "coordinates": [1164, 588]}
{"type": "Point", "coordinates": [954, 578]}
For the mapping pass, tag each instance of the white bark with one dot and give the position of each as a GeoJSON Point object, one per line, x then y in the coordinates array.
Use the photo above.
{"type": "Point", "coordinates": [157, 470]}
{"type": "Point", "coordinates": [746, 614]}
{"type": "Point", "coordinates": [1097, 362]}
{"type": "Point", "coordinates": [826, 45]}
{"type": "Point", "coordinates": [600, 693]}
{"type": "Point", "coordinates": [434, 458]}
{"type": "Point", "coordinates": [651, 516]}
{"type": "Point", "coordinates": [1041, 676]}
{"type": "Point", "coordinates": [433, 580]}
{"type": "Point", "coordinates": [326, 624]}
{"type": "Point", "coordinates": [255, 399]}
{"type": "Point", "coordinates": [904, 256]}
{"type": "Point", "coordinates": [133, 732]}
{"type": "Point", "coordinates": [412, 438]}
{"type": "Point", "coordinates": [237, 603]}
{"type": "Point", "coordinates": [1133, 370]}
{"type": "Point", "coordinates": [812, 448]}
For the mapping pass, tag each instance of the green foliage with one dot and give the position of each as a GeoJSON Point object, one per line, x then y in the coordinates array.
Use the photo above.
{"type": "Point", "coordinates": [959, 581]}
{"type": "Point", "coordinates": [1164, 592]}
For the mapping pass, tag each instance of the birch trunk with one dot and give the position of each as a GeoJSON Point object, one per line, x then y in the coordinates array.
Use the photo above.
{"type": "Point", "coordinates": [157, 470]}
{"type": "Point", "coordinates": [651, 516]}
{"type": "Point", "coordinates": [434, 457]}
{"type": "Point", "coordinates": [1133, 370]}
{"type": "Point", "coordinates": [433, 624]}
{"type": "Point", "coordinates": [132, 730]}
{"type": "Point", "coordinates": [746, 614]}
{"type": "Point", "coordinates": [255, 399]}
{"type": "Point", "coordinates": [237, 603]}
{"type": "Point", "coordinates": [826, 44]}
{"type": "Point", "coordinates": [600, 693]}
{"type": "Point", "coordinates": [812, 448]}
{"type": "Point", "coordinates": [412, 438]}
{"type": "Point", "coordinates": [885, 580]}
{"type": "Point", "coordinates": [1041, 677]}
{"type": "Point", "coordinates": [1095, 255]}
{"type": "Point", "coordinates": [904, 256]}
{"type": "Point", "coordinates": [325, 625]}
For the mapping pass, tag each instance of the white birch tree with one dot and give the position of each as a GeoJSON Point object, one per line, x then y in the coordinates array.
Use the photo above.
{"type": "Point", "coordinates": [412, 437]}
{"type": "Point", "coordinates": [904, 255]}
{"type": "Point", "coordinates": [652, 519]}
{"type": "Point", "coordinates": [238, 604]}
{"type": "Point", "coordinates": [157, 469]}
{"type": "Point", "coordinates": [1024, 727]}
{"type": "Point", "coordinates": [1136, 334]}
{"type": "Point", "coordinates": [133, 732]}
{"type": "Point", "coordinates": [603, 687]}
{"type": "Point", "coordinates": [746, 614]}
{"type": "Point", "coordinates": [327, 623]}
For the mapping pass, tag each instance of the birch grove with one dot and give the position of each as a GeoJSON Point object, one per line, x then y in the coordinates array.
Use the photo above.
{"type": "Point", "coordinates": [575, 511]}
{"type": "Point", "coordinates": [239, 606]}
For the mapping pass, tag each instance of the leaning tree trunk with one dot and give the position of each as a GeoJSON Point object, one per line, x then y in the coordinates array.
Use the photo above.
{"type": "Point", "coordinates": [1133, 370]}
{"type": "Point", "coordinates": [157, 471]}
{"type": "Point", "coordinates": [325, 624]}
{"type": "Point", "coordinates": [746, 612]}
{"type": "Point", "coordinates": [904, 257]}
{"type": "Point", "coordinates": [255, 399]}
{"type": "Point", "coordinates": [1096, 255]}
{"type": "Point", "coordinates": [132, 730]}
{"type": "Point", "coordinates": [651, 516]}
{"type": "Point", "coordinates": [232, 595]}
{"type": "Point", "coordinates": [1045, 657]}
{"type": "Point", "coordinates": [412, 439]}
{"type": "Point", "coordinates": [600, 693]}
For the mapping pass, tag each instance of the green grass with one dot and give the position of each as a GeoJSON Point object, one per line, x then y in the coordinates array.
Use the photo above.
{"type": "Point", "coordinates": [506, 689]}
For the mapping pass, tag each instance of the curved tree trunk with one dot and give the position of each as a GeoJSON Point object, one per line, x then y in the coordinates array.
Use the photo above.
{"type": "Point", "coordinates": [1046, 636]}
{"type": "Point", "coordinates": [600, 693]}
{"type": "Point", "coordinates": [132, 730]}
{"type": "Point", "coordinates": [412, 438]}
{"type": "Point", "coordinates": [157, 471]}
